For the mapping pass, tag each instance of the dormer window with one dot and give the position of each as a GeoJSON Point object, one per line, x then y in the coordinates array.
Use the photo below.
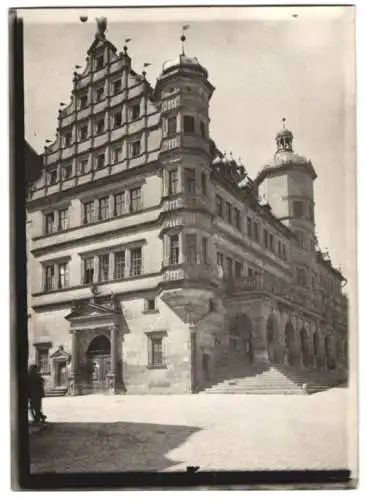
{"type": "Point", "coordinates": [99, 62]}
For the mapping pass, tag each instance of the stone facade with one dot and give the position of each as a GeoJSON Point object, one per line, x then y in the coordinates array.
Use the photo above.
{"type": "Point", "coordinates": [153, 259]}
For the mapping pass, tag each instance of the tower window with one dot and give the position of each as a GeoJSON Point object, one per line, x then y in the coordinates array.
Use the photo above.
{"type": "Point", "coordinates": [190, 181]}
{"type": "Point", "coordinates": [117, 86]}
{"type": "Point", "coordinates": [191, 246]}
{"type": "Point", "coordinates": [311, 213]}
{"type": "Point", "coordinates": [172, 126]}
{"type": "Point", "coordinates": [203, 129]}
{"type": "Point", "coordinates": [188, 124]}
{"type": "Point", "coordinates": [298, 209]}
{"type": "Point", "coordinates": [99, 62]}
{"type": "Point", "coordinates": [204, 183]}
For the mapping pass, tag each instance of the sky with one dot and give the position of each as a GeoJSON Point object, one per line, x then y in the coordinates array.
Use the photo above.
{"type": "Point", "coordinates": [264, 63]}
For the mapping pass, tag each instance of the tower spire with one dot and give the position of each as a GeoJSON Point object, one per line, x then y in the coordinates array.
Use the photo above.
{"type": "Point", "coordinates": [183, 37]}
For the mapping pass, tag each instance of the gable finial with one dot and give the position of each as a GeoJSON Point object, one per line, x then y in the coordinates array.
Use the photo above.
{"type": "Point", "coordinates": [183, 37]}
{"type": "Point", "coordinates": [101, 27]}
{"type": "Point", "coordinates": [284, 122]}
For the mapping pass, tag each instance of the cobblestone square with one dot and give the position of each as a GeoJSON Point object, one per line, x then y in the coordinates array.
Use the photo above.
{"type": "Point", "coordinates": [215, 432]}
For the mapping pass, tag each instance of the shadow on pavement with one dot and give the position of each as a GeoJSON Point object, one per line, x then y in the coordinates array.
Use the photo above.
{"type": "Point", "coordinates": [105, 447]}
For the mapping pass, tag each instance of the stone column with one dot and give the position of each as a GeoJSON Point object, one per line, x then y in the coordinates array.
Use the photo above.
{"type": "Point", "coordinates": [73, 377]}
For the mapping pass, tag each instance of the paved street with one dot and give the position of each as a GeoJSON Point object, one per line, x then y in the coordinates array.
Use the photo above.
{"type": "Point", "coordinates": [216, 432]}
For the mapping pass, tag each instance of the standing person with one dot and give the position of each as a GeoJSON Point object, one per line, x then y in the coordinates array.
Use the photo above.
{"type": "Point", "coordinates": [35, 394]}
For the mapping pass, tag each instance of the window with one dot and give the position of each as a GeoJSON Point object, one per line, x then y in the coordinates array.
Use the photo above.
{"type": "Point", "coordinates": [68, 139]}
{"type": "Point", "coordinates": [271, 242]}
{"type": "Point", "coordinates": [62, 275]}
{"type": "Point", "coordinates": [279, 249]}
{"type": "Point", "coordinates": [119, 204]}
{"type": "Point", "coordinates": [99, 94]}
{"type": "Point", "coordinates": [53, 177]}
{"type": "Point", "coordinates": [88, 212]}
{"type": "Point", "coordinates": [117, 155]}
{"type": "Point", "coordinates": [104, 267]}
{"type": "Point", "coordinates": [83, 132]}
{"type": "Point", "coordinates": [173, 181]}
{"type": "Point", "coordinates": [172, 126]}
{"type": "Point", "coordinates": [119, 265]}
{"type": "Point", "coordinates": [42, 359]}
{"type": "Point", "coordinates": [99, 126]}
{"type": "Point", "coordinates": [237, 218]}
{"type": "Point", "coordinates": [265, 237]}
{"type": "Point", "coordinates": [63, 219]}
{"type": "Point", "coordinates": [155, 353]}
{"type": "Point", "coordinates": [66, 172]}
{"type": "Point", "coordinates": [191, 247]}
{"type": "Point", "coordinates": [83, 167]}
{"type": "Point", "coordinates": [238, 269]}
{"type": "Point", "coordinates": [228, 213]}
{"type": "Point", "coordinates": [203, 129]}
{"type": "Point", "coordinates": [117, 119]}
{"type": "Point", "coordinates": [117, 86]}
{"type": "Point", "coordinates": [135, 148]}
{"type": "Point", "coordinates": [50, 219]}
{"type": "Point", "coordinates": [135, 111]}
{"type": "Point", "coordinates": [229, 267]}
{"type": "Point", "coordinates": [250, 227]}
{"type": "Point", "coordinates": [300, 277]}
{"type": "Point", "coordinates": [298, 209]}
{"type": "Point", "coordinates": [311, 212]}
{"type": "Point", "coordinates": [150, 305]}
{"type": "Point", "coordinates": [100, 160]}
{"type": "Point", "coordinates": [220, 259]}
{"type": "Point", "coordinates": [284, 253]}
{"type": "Point", "coordinates": [312, 245]}
{"type": "Point", "coordinates": [135, 200]}
{"type": "Point", "coordinates": [49, 272]}
{"type": "Point", "coordinates": [219, 205]}
{"type": "Point", "coordinates": [136, 262]}
{"type": "Point", "coordinates": [99, 62]}
{"type": "Point", "coordinates": [188, 124]}
{"type": "Point", "coordinates": [174, 249]}
{"type": "Point", "coordinates": [204, 183]}
{"type": "Point", "coordinates": [255, 231]}
{"type": "Point", "coordinates": [190, 181]}
{"type": "Point", "coordinates": [205, 250]}
{"type": "Point", "coordinates": [300, 238]}
{"type": "Point", "coordinates": [89, 270]}
{"type": "Point", "coordinates": [103, 208]}
{"type": "Point", "coordinates": [83, 101]}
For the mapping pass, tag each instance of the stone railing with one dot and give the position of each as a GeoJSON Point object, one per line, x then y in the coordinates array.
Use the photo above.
{"type": "Point", "coordinates": [192, 202]}
{"type": "Point", "coordinates": [191, 272]}
{"type": "Point", "coordinates": [170, 143]}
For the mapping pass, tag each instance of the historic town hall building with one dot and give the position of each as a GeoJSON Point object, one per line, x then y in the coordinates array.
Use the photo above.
{"type": "Point", "coordinates": [154, 260]}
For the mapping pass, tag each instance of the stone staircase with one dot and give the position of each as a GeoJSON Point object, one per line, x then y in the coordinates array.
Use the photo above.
{"type": "Point", "coordinates": [55, 392]}
{"type": "Point", "coordinates": [272, 379]}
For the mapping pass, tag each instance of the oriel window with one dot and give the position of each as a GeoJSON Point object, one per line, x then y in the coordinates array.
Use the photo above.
{"type": "Point", "coordinates": [173, 181]}
{"type": "Point", "coordinates": [174, 249]}
{"type": "Point", "coordinates": [191, 248]}
{"type": "Point", "coordinates": [172, 126]}
{"type": "Point", "coordinates": [188, 124]}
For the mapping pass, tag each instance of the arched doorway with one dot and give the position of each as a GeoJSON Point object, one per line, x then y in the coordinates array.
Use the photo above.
{"type": "Point", "coordinates": [272, 330]}
{"type": "Point", "coordinates": [290, 343]}
{"type": "Point", "coordinates": [241, 338]}
{"type": "Point", "coordinates": [329, 353]}
{"type": "Point", "coordinates": [304, 347]}
{"type": "Point", "coordinates": [99, 363]}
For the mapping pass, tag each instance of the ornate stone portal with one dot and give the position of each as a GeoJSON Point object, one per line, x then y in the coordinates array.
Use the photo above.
{"type": "Point", "coordinates": [96, 359]}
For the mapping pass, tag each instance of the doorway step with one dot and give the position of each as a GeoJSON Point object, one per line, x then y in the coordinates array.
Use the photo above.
{"type": "Point", "coordinates": [55, 392]}
{"type": "Point", "coordinates": [273, 379]}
